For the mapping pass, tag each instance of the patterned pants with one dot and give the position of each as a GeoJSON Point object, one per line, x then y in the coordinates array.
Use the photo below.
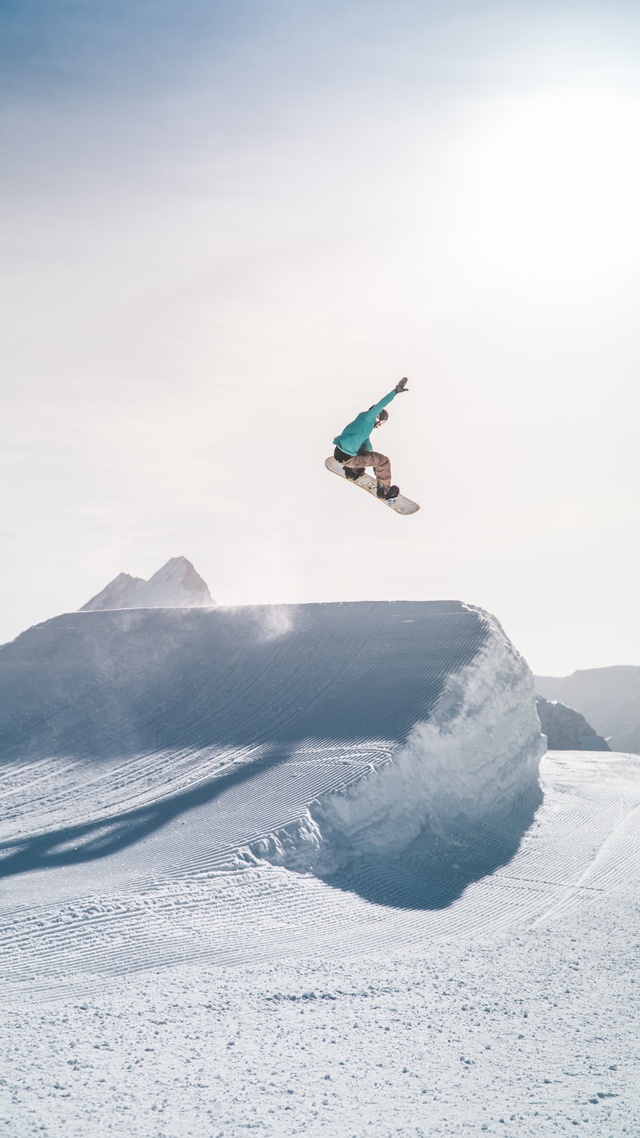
{"type": "Point", "coordinates": [379, 462]}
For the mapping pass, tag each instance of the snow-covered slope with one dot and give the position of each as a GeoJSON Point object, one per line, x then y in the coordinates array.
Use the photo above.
{"type": "Point", "coordinates": [175, 585]}
{"type": "Point", "coordinates": [120, 593]}
{"type": "Point", "coordinates": [361, 741]}
{"type": "Point", "coordinates": [337, 801]}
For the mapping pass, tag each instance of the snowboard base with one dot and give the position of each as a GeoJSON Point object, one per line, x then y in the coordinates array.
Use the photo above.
{"type": "Point", "coordinates": [400, 505]}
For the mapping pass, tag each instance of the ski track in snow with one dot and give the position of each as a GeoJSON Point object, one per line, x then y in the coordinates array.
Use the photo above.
{"type": "Point", "coordinates": [583, 844]}
{"type": "Point", "coordinates": [264, 1000]}
{"type": "Point", "coordinates": [169, 966]}
{"type": "Point", "coordinates": [114, 860]}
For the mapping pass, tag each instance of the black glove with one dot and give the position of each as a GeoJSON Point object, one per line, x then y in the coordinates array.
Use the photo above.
{"type": "Point", "coordinates": [402, 386]}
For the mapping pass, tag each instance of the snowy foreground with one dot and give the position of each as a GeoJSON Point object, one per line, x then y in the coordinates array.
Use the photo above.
{"type": "Point", "coordinates": [385, 927]}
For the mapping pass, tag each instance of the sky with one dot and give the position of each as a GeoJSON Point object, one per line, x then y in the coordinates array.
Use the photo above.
{"type": "Point", "coordinates": [228, 228]}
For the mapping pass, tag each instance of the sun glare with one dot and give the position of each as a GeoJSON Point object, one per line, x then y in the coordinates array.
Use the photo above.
{"type": "Point", "coordinates": [552, 184]}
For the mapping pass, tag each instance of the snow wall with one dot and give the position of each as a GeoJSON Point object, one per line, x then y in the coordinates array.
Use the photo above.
{"type": "Point", "coordinates": [417, 718]}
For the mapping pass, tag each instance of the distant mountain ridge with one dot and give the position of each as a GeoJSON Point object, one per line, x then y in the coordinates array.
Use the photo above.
{"type": "Point", "coordinates": [609, 699]}
{"type": "Point", "coordinates": [566, 729]}
{"type": "Point", "coordinates": [175, 585]}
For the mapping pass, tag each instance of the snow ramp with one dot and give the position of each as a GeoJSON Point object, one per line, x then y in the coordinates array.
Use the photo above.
{"type": "Point", "coordinates": [390, 748]}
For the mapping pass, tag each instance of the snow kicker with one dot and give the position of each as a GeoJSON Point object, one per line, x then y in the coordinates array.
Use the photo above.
{"type": "Point", "coordinates": [390, 748]}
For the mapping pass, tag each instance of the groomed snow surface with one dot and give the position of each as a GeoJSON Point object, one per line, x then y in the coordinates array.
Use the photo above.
{"type": "Point", "coordinates": [293, 871]}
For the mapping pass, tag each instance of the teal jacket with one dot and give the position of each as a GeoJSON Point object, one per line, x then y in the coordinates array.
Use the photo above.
{"type": "Point", "coordinates": [356, 434]}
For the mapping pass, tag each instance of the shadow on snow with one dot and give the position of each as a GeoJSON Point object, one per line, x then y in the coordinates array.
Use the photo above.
{"type": "Point", "coordinates": [72, 845]}
{"type": "Point", "coordinates": [436, 869]}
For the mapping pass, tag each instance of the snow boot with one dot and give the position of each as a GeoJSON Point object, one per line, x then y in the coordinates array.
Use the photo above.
{"type": "Point", "coordinates": [353, 475]}
{"type": "Point", "coordinates": [387, 493]}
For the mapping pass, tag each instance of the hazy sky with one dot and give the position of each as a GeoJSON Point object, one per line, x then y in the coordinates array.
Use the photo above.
{"type": "Point", "coordinates": [227, 228]}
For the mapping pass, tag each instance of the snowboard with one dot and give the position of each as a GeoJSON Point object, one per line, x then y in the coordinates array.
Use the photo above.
{"type": "Point", "coordinates": [401, 505]}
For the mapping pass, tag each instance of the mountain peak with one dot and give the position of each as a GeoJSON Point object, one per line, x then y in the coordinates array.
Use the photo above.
{"type": "Point", "coordinates": [176, 584]}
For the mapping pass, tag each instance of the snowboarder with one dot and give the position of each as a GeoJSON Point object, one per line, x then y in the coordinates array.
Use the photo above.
{"type": "Point", "coordinates": [354, 450]}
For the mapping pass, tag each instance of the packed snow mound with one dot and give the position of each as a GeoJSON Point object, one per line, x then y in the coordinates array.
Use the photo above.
{"type": "Point", "coordinates": [609, 699]}
{"type": "Point", "coordinates": [566, 729]}
{"type": "Point", "coordinates": [464, 778]}
{"type": "Point", "coordinates": [392, 747]}
{"type": "Point", "coordinates": [175, 585]}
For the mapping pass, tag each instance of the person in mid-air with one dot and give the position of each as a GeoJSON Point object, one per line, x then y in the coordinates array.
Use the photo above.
{"type": "Point", "coordinates": [354, 450]}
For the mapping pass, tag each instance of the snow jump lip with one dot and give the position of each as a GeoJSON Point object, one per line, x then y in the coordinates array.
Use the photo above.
{"type": "Point", "coordinates": [99, 685]}
{"type": "Point", "coordinates": [296, 720]}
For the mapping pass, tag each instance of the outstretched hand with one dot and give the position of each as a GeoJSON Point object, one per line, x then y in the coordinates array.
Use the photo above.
{"type": "Point", "coordinates": [402, 385]}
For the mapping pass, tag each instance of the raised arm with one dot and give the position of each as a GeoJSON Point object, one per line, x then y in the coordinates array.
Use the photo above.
{"type": "Point", "coordinates": [399, 388]}
{"type": "Point", "coordinates": [377, 407]}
